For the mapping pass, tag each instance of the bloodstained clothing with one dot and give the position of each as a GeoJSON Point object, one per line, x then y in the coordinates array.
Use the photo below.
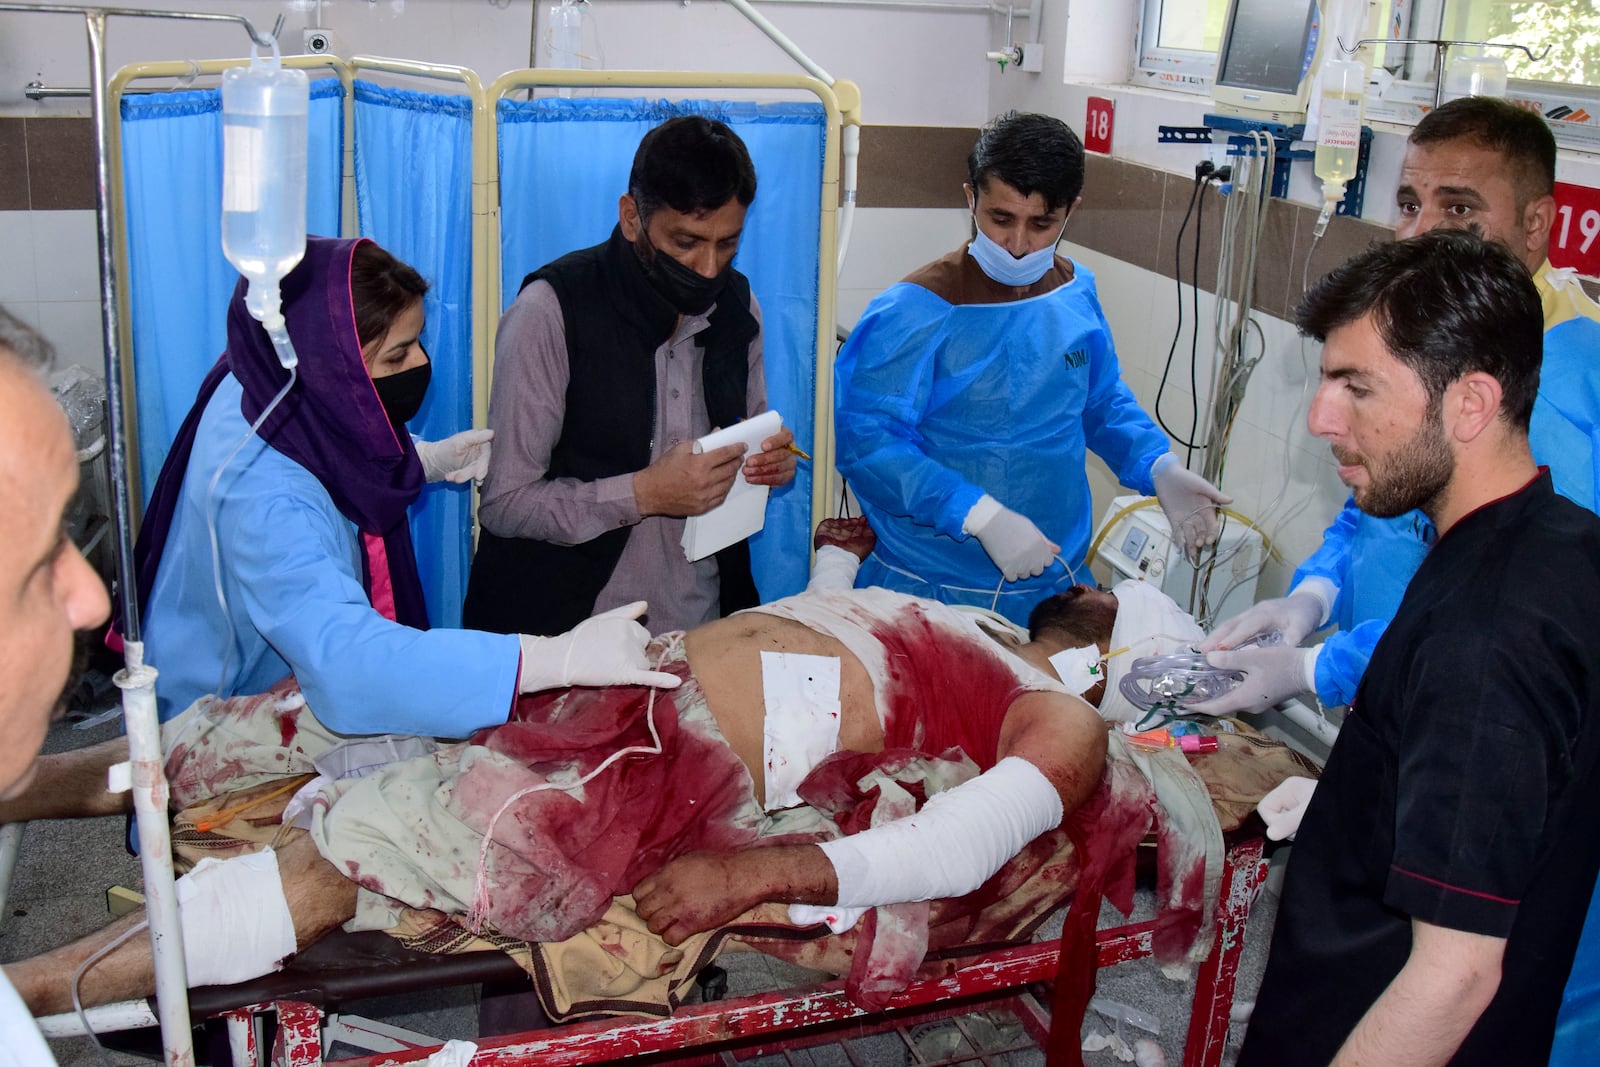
{"type": "Point", "coordinates": [938, 679]}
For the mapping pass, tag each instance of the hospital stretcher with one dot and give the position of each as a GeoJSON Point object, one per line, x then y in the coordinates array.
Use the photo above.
{"type": "Point", "coordinates": [1004, 979]}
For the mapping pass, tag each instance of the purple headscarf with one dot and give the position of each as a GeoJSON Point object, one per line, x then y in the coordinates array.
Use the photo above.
{"type": "Point", "coordinates": [331, 423]}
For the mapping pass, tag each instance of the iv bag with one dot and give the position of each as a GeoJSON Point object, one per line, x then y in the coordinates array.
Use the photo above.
{"type": "Point", "coordinates": [1344, 89]}
{"type": "Point", "coordinates": [564, 44]}
{"type": "Point", "coordinates": [264, 119]}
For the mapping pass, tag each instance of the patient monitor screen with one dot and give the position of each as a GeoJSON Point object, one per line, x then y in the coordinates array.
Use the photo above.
{"type": "Point", "coordinates": [1267, 45]}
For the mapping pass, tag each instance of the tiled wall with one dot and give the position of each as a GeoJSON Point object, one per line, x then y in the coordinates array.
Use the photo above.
{"type": "Point", "coordinates": [49, 269]}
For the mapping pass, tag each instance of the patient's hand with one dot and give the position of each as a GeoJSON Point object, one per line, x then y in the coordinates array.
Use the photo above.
{"type": "Point", "coordinates": [704, 890]}
{"type": "Point", "coordinates": [852, 535]}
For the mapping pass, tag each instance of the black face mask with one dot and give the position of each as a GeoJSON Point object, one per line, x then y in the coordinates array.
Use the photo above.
{"type": "Point", "coordinates": [402, 394]}
{"type": "Point", "coordinates": [690, 292]}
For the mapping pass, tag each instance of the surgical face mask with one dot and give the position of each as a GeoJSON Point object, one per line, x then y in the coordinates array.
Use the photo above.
{"type": "Point", "coordinates": [1007, 269]}
{"type": "Point", "coordinates": [687, 290]}
{"type": "Point", "coordinates": [402, 394]}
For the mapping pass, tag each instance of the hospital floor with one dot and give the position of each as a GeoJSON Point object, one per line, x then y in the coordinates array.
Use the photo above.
{"type": "Point", "coordinates": [58, 892]}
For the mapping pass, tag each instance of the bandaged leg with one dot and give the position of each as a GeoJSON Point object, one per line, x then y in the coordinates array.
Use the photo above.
{"type": "Point", "coordinates": [319, 899]}
{"type": "Point", "coordinates": [236, 922]}
{"type": "Point", "coordinates": [950, 847]}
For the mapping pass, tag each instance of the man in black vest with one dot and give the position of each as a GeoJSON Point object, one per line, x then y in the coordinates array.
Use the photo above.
{"type": "Point", "coordinates": [610, 363]}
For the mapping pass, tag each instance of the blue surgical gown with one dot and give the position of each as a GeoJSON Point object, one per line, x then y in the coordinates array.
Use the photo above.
{"type": "Point", "coordinates": [291, 572]}
{"type": "Point", "coordinates": [1372, 560]}
{"type": "Point", "coordinates": [940, 403]}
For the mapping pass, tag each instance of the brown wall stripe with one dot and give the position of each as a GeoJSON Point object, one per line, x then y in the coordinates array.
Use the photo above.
{"type": "Point", "coordinates": [46, 164]}
{"type": "Point", "coordinates": [1129, 211]}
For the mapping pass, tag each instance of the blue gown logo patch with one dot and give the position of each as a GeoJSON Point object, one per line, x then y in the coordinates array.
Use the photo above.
{"type": "Point", "coordinates": [1077, 358]}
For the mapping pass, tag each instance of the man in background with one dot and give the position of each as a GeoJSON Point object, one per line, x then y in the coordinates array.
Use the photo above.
{"type": "Point", "coordinates": [608, 366]}
{"type": "Point", "coordinates": [1486, 166]}
{"type": "Point", "coordinates": [967, 395]}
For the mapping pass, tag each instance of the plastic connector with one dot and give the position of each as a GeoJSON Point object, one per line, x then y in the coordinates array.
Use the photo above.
{"type": "Point", "coordinates": [1224, 174]}
{"type": "Point", "coordinates": [1203, 170]}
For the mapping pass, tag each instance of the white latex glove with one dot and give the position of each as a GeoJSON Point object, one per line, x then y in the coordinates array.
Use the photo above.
{"type": "Point", "coordinates": [605, 650]}
{"type": "Point", "coordinates": [1296, 616]}
{"type": "Point", "coordinates": [460, 457]}
{"type": "Point", "coordinates": [1190, 503]}
{"type": "Point", "coordinates": [1284, 807]}
{"type": "Point", "coordinates": [1011, 539]}
{"type": "Point", "coordinates": [1271, 676]}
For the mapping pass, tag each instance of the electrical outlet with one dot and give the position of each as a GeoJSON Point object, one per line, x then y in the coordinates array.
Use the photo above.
{"type": "Point", "coordinates": [318, 41]}
{"type": "Point", "coordinates": [1032, 57]}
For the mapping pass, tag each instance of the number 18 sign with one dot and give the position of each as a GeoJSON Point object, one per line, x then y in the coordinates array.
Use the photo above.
{"type": "Point", "coordinates": [1097, 125]}
{"type": "Point", "coordinates": [1575, 237]}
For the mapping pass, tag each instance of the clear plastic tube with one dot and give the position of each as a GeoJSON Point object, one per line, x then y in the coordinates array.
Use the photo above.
{"type": "Point", "coordinates": [211, 525]}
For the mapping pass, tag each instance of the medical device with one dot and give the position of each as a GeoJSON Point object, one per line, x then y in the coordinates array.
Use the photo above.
{"type": "Point", "coordinates": [1135, 541]}
{"type": "Point", "coordinates": [1475, 76]}
{"type": "Point", "coordinates": [1180, 679]}
{"type": "Point", "coordinates": [563, 46]}
{"type": "Point", "coordinates": [1344, 90]}
{"type": "Point", "coordinates": [1267, 59]}
{"type": "Point", "coordinates": [264, 118]}
{"type": "Point", "coordinates": [265, 110]}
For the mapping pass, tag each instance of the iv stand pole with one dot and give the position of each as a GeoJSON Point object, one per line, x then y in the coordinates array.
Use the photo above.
{"type": "Point", "coordinates": [144, 772]}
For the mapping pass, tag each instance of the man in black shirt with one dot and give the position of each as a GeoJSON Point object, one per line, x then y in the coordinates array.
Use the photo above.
{"type": "Point", "coordinates": [1439, 884]}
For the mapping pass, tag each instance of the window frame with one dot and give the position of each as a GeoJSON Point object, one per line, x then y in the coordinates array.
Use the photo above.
{"type": "Point", "coordinates": [1185, 70]}
{"type": "Point", "coordinates": [1395, 95]}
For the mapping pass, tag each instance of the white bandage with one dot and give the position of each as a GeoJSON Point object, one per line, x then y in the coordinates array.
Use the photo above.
{"type": "Point", "coordinates": [1079, 669]}
{"type": "Point", "coordinates": [834, 569]}
{"type": "Point", "coordinates": [801, 726]}
{"type": "Point", "coordinates": [950, 847]}
{"type": "Point", "coordinates": [236, 923]}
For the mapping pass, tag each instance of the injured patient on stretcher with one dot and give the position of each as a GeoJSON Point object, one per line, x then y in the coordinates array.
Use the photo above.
{"type": "Point", "coordinates": [751, 784]}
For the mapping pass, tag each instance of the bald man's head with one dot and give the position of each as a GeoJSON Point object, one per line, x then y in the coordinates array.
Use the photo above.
{"type": "Point", "coordinates": [47, 590]}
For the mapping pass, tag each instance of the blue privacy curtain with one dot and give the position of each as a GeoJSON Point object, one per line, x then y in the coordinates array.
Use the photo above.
{"type": "Point", "coordinates": [413, 163]}
{"type": "Point", "coordinates": [564, 163]}
{"type": "Point", "coordinates": [178, 281]}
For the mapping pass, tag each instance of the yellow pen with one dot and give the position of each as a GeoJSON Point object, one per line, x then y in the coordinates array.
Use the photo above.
{"type": "Point", "coordinates": [792, 447]}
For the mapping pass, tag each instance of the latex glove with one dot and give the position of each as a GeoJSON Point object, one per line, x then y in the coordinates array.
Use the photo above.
{"type": "Point", "coordinates": [461, 457]}
{"type": "Point", "coordinates": [1011, 539]}
{"type": "Point", "coordinates": [605, 650]}
{"type": "Point", "coordinates": [1271, 676]}
{"type": "Point", "coordinates": [1284, 807]}
{"type": "Point", "coordinates": [1295, 616]}
{"type": "Point", "coordinates": [1190, 503]}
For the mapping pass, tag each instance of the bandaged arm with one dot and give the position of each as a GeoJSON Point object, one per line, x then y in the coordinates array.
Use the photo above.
{"type": "Point", "coordinates": [950, 847]}
{"type": "Point", "coordinates": [1052, 750]}
{"type": "Point", "coordinates": [834, 570]}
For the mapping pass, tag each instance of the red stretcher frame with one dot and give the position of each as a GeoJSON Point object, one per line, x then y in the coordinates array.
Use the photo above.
{"type": "Point", "coordinates": [767, 1024]}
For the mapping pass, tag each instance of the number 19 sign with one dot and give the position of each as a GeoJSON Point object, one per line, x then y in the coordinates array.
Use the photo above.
{"type": "Point", "coordinates": [1097, 125]}
{"type": "Point", "coordinates": [1575, 237]}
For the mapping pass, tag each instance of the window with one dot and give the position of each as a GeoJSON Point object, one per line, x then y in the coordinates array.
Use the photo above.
{"type": "Point", "coordinates": [1571, 29]}
{"type": "Point", "coordinates": [1178, 41]}
{"type": "Point", "coordinates": [1561, 84]}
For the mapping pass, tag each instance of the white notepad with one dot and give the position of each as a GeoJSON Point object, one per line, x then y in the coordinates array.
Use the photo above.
{"type": "Point", "coordinates": [744, 510]}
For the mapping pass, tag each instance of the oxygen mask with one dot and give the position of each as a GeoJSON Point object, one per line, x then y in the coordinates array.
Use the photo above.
{"type": "Point", "coordinates": [1179, 680]}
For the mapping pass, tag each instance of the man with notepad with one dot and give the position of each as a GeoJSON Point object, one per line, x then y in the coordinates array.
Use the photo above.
{"type": "Point", "coordinates": [609, 365]}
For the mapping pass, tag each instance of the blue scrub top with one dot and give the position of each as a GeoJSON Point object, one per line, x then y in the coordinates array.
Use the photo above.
{"type": "Point", "coordinates": [940, 403]}
{"type": "Point", "coordinates": [291, 574]}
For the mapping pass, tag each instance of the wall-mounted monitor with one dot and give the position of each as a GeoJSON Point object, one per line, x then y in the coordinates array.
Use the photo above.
{"type": "Point", "coordinates": [1268, 55]}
